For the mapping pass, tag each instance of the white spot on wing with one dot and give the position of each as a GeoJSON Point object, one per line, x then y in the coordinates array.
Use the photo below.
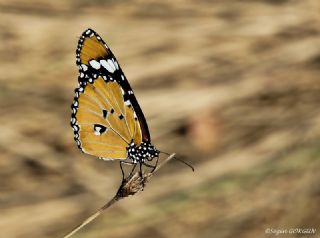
{"type": "Point", "coordinates": [107, 66]}
{"type": "Point", "coordinates": [95, 64]}
{"type": "Point", "coordinates": [115, 63]}
{"type": "Point", "coordinates": [98, 130]}
{"type": "Point", "coordinates": [110, 62]}
{"type": "Point", "coordinates": [84, 67]}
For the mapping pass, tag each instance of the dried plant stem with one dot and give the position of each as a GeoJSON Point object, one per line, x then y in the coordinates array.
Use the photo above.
{"type": "Point", "coordinates": [92, 217]}
{"type": "Point", "coordinates": [128, 188]}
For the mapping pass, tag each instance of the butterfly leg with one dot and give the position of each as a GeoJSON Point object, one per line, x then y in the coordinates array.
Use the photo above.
{"type": "Point", "coordinates": [140, 172]}
{"type": "Point", "coordinates": [152, 166]}
{"type": "Point", "coordinates": [131, 172]}
{"type": "Point", "coordinates": [149, 166]}
{"type": "Point", "coordinates": [155, 166]}
{"type": "Point", "coordinates": [121, 162]}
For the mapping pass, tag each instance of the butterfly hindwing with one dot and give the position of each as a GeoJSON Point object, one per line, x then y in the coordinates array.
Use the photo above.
{"type": "Point", "coordinates": [102, 133]}
{"type": "Point", "coordinates": [106, 116]}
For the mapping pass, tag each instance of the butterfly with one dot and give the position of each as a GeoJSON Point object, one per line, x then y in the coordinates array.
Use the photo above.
{"type": "Point", "coordinates": [106, 118]}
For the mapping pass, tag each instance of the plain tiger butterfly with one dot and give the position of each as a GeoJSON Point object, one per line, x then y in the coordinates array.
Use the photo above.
{"type": "Point", "coordinates": [106, 118]}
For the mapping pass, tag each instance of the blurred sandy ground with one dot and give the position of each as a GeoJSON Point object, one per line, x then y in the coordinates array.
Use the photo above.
{"type": "Point", "coordinates": [231, 85]}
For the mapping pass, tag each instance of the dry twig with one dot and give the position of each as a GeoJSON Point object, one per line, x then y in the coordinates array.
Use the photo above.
{"type": "Point", "coordinates": [130, 187]}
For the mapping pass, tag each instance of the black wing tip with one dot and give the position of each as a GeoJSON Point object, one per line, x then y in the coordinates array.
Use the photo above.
{"type": "Point", "coordinates": [88, 32]}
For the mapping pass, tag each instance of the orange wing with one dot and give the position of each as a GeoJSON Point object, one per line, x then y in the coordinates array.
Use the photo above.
{"type": "Point", "coordinates": [106, 125]}
{"type": "Point", "coordinates": [106, 116]}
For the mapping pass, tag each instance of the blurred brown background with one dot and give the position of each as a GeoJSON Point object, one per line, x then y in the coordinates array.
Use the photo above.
{"type": "Point", "coordinates": [232, 86]}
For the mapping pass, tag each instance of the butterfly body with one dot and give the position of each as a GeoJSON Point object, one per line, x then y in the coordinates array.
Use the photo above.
{"type": "Point", "coordinates": [106, 118]}
{"type": "Point", "coordinates": [141, 153]}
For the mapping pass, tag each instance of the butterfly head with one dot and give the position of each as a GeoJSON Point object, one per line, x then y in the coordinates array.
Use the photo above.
{"type": "Point", "coordinates": [140, 153]}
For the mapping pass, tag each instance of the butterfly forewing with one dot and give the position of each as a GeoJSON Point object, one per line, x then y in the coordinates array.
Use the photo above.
{"type": "Point", "coordinates": [92, 48]}
{"type": "Point", "coordinates": [106, 116]}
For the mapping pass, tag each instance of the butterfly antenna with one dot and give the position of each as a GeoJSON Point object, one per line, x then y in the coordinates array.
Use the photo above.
{"type": "Point", "coordinates": [182, 161]}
